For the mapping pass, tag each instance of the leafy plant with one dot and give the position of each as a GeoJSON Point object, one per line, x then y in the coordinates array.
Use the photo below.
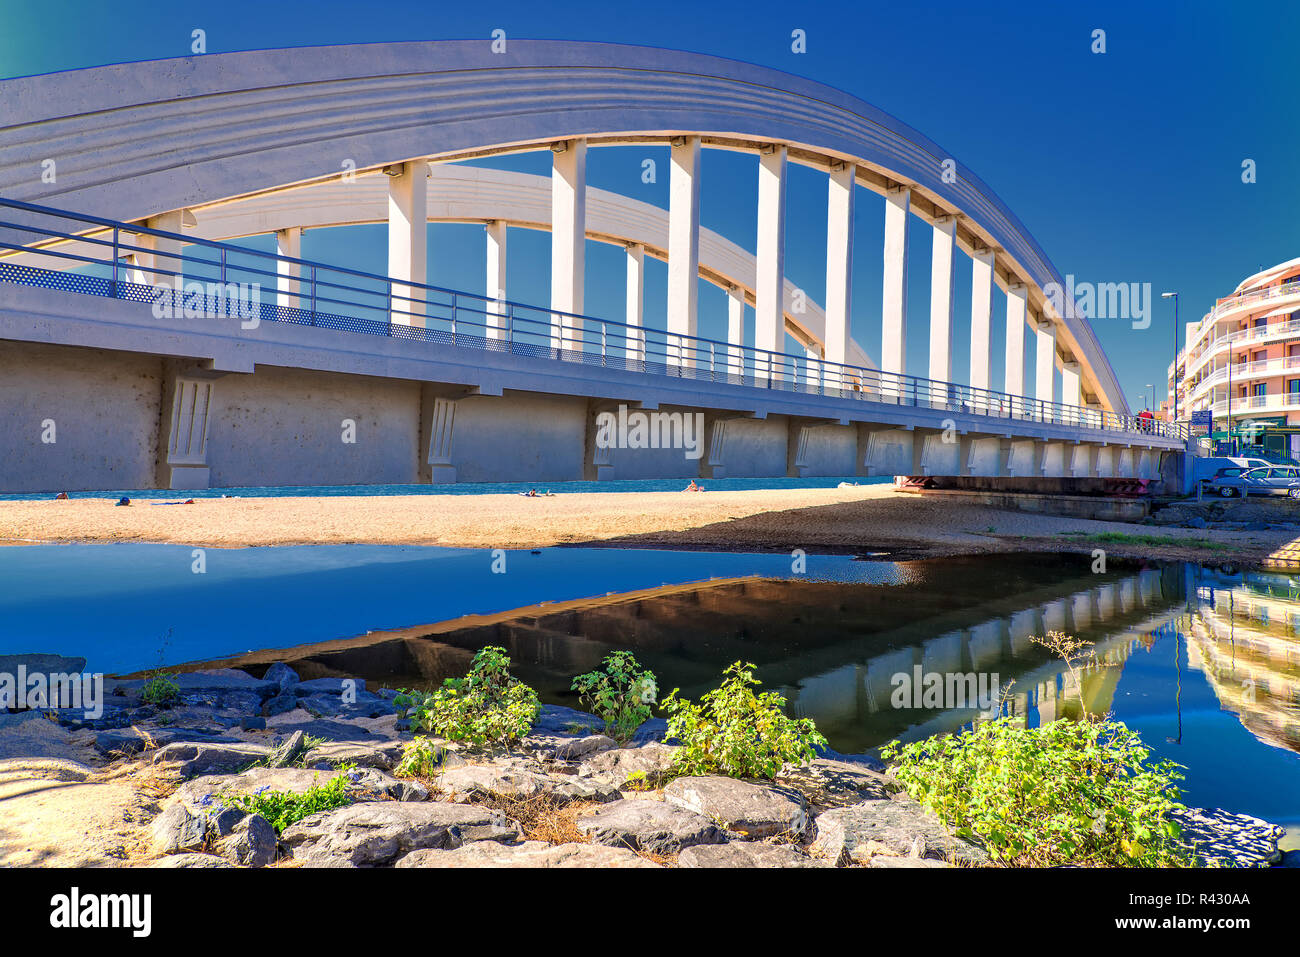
{"type": "Point", "coordinates": [1082, 793]}
{"type": "Point", "coordinates": [421, 758]}
{"type": "Point", "coordinates": [161, 690]}
{"type": "Point", "coordinates": [735, 732]}
{"type": "Point", "coordinates": [487, 706]}
{"type": "Point", "coordinates": [407, 701]}
{"type": "Point", "coordinates": [284, 808]}
{"type": "Point", "coordinates": [620, 693]}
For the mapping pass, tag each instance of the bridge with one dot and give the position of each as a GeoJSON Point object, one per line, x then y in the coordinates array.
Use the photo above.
{"type": "Point", "coordinates": [137, 349]}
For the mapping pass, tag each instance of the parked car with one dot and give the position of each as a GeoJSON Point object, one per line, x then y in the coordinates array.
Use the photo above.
{"type": "Point", "coordinates": [1273, 480]}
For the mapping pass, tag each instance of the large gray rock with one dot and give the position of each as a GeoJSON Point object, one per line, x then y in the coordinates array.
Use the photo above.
{"type": "Point", "coordinates": [509, 781]}
{"type": "Point", "coordinates": [367, 835]}
{"type": "Point", "coordinates": [178, 828]}
{"type": "Point", "coordinates": [281, 675]}
{"type": "Point", "coordinates": [251, 842]}
{"type": "Point", "coordinates": [653, 826]}
{"type": "Point", "coordinates": [828, 784]}
{"type": "Point", "coordinates": [900, 828]}
{"type": "Point", "coordinates": [334, 686]}
{"type": "Point", "coordinates": [379, 754]}
{"type": "Point", "coordinates": [210, 680]}
{"type": "Point", "coordinates": [528, 854]}
{"type": "Point", "coordinates": [585, 789]}
{"type": "Point", "coordinates": [575, 749]}
{"type": "Point", "coordinates": [199, 757]}
{"type": "Point", "coordinates": [647, 764]}
{"type": "Point", "coordinates": [754, 810]}
{"type": "Point", "coordinates": [289, 751]}
{"type": "Point", "coordinates": [747, 854]}
{"type": "Point", "coordinates": [1224, 839]}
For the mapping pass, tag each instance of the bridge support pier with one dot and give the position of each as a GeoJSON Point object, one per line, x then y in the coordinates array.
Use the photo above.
{"type": "Point", "coordinates": [942, 275]}
{"type": "Point", "coordinates": [684, 239]}
{"type": "Point", "coordinates": [635, 305]}
{"type": "Point", "coordinates": [769, 281]}
{"type": "Point", "coordinates": [187, 396]}
{"type": "Point", "coordinates": [288, 242]}
{"type": "Point", "coordinates": [981, 322]}
{"type": "Point", "coordinates": [893, 345]}
{"type": "Point", "coordinates": [839, 263]}
{"type": "Point", "coordinates": [568, 240]}
{"type": "Point", "coordinates": [1017, 315]}
{"type": "Point", "coordinates": [408, 240]}
{"type": "Point", "coordinates": [736, 333]}
{"type": "Point", "coordinates": [495, 286]}
{"type": "Point", "coordinates": [1045, 361]}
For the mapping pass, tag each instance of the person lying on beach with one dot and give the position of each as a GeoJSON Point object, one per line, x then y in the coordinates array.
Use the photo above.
{"type": "Point", "coordinates": [531, 493]}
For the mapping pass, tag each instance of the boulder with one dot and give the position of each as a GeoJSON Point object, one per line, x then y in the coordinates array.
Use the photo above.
{"type": "Point", "coordinates": [289, 751]}
{"type": "Point", "coordinates": [1224, 839]}
{"type": "Point", "coordinates": [586, 789]}
{"type": "Point", "coordinates": [333, 686]}
{"type": "Point", "coordinates": [43, 663]}
{"type": "Point", "coordinates": [900, 828]}
{"type": "Point", "coordinates": [648, 763]}
{"type": "Point", "coordinates": [557, 720]}
{"type": "Point", "coordinates": [178, 828]}
{"type": "Point", "coordinates": [129, 742]}
{"type": "Point", "coordinates": [747, 854]}
{"type": "Point", "coordinates": [192, 757]}
{"type": "Point", "coordinates": [281, 675]}
{"type": "Point", "coordinates": [366, 835]}
{"type": "Point", "coordinates": [644, 825]}
{"type": "Point", "coordinates": [384, 755]}
{"type": "Point", "coordinates": [508, 781]}
{"type": "Point", "coordinates": [280, 704]}
{"type": "Point", "coordinates": [754, 810]}
{"type": "Point", "coordinates": [828, 784]}
{"type": "Point", "coordinates": [529, 854]}
{"type": "Point", "coordinates": [574, 749]}
{"type": "Point", "coordinates": [251, 842]}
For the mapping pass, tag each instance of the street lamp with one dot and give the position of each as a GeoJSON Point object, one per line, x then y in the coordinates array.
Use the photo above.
{"type": "Point", "coordinates": [1174, 297]}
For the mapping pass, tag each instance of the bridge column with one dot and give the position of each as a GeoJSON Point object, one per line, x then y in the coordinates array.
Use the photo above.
{"type": "Point", "coordinates": [942, 273]}
{"type": "Point", "coordinates": [494, 317]}
{"type": "Point", "coordinates": [635, 303]}
{"type": "Point", "coordinates": [408, 240]}
{"type": "Point", "coordinates": [1017, 311]}
{"type": "Point", "coordinates": [736, 331]}
{"type": "Point", "coordinates": [839, 266]}
{"type": "Point", "coordinates": [683, 249]}
{"type": "Point", "coordinates": [769, 289]}
{"type": "Point", "coordinates": [981, 323]}
{"type": "Point", "coordinates": [1045, 364]}
{"type": "Point", "coordinates": [288, 242]}
{"type": "Point", "coordinates": [568, 241]}
{"type": "Point", "coordinates": [166, 252]}
{"type": "Point", "coordinates": [1071, 391]}
{"type": "Point", "coordinates": [893, 346]}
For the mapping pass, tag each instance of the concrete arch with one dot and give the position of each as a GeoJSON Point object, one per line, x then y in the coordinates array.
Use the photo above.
{"type": "Point", "coordinates": [238, 123]}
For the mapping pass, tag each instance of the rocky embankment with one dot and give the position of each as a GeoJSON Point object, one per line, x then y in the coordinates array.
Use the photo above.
{"type": "Point", "coordinates": [145, 786]}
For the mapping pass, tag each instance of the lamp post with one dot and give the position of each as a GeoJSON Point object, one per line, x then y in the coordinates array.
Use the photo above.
{"type": "Point", "coordinates": [1174, 296]}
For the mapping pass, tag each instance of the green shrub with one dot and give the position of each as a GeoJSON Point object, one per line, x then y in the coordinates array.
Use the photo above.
{"type": "Point", "coordinates": [283, 808]}
{"type": "Point", "coordinates": [735, 732]}
{"type": "Point", "coordinates": [161, 690]}
{"type": "Point", "coordinates": [487, 706]}
{"type": "Point", "coordinates": [1082, 793]}
{"type": "Point", "coordinates": [421, 758]}
{"type": "Point", "coordinates": [620, 693]}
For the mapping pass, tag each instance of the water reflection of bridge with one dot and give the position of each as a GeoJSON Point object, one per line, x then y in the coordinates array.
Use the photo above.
{"type": "Point", "coordinates": [1242, 634]}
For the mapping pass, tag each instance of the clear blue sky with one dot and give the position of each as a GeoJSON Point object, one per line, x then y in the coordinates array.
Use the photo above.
{"type": "Point", "coordinates": [1126, 166]}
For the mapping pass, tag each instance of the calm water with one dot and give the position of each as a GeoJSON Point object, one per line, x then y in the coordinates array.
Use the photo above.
{"type": "Point", "coordinates": [462, 488]}
{"type": "Point", "coordinates": [1205, 664]}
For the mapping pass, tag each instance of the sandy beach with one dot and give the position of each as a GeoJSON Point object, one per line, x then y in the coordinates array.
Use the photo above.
{"type": "Point", "coordinates": [863, 519]}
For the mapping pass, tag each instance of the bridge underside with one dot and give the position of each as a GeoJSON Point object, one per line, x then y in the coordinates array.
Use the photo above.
{"type": "Point", "coordinates": [101, 395]}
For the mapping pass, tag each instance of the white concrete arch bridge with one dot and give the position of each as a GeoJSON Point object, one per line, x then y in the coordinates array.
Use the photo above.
{"type": "Point", "coordinates": [162, 166]}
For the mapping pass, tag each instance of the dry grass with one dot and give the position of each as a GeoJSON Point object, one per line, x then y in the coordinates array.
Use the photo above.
{"type": "Point", "coordinates": [542, 818]}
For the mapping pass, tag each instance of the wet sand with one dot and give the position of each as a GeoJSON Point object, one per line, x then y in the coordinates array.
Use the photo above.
{"type": "Point", "coordinates": [863, 519]}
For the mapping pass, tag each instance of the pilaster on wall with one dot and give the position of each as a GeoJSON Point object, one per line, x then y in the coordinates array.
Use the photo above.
{"type": "Point", "coordinates": [438, 407]}
{"type": "Point", "coordinates": [187, 399]}
{"type": "Point", "coordinates": [798, 461]}
{"type": "Point", "coordinates": [713, 463]}
{"type": "Point", "coordinates": [597, 458]}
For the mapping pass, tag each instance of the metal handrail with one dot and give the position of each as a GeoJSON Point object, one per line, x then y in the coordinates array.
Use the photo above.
{"type": "Point", "coordinates": [351, 300]}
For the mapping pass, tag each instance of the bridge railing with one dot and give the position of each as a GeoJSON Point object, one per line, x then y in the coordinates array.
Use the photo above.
{"type": "Point", "coordinates": [51, 248]}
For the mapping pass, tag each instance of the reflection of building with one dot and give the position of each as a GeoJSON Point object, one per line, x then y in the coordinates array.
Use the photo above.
{"type": "Point", "coordinates": [1244, 637]}
{"type": "Point", "coordinates": [1246, 351]}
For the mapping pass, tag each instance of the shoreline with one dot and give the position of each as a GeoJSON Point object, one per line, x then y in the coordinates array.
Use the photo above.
{"type": "Point", "coordinates": [873, 520]}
